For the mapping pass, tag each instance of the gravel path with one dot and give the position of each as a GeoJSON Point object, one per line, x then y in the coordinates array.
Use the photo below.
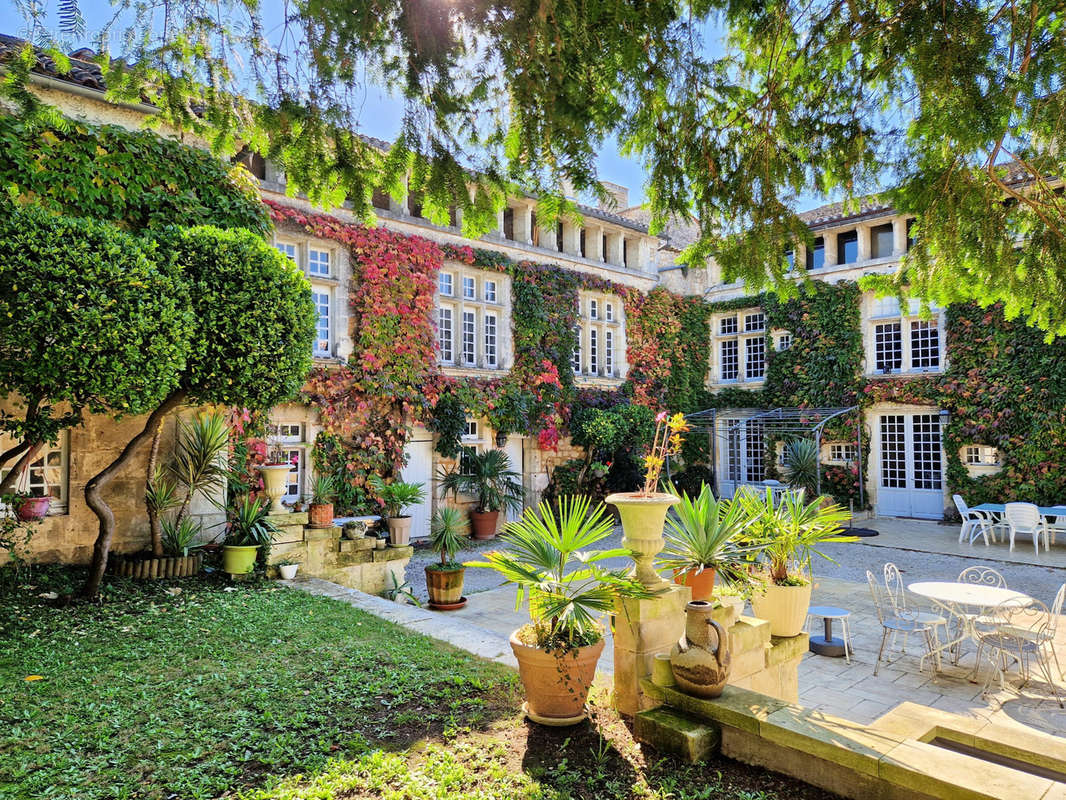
{"type": "Point", "coordinates": [852, 561]}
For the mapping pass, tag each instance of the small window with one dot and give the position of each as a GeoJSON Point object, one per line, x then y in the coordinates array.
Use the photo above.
{"type": "Point", "coordinates": [754, 322]}
{"type": "Point", "coordinates": [594, 309]}
{"type": "Point", "coordinates": [47, 475]}
{"type": "Point", "coordinates": [490, 291]}
{"type": "Point", "coordinates": [445, 335]}
{"type": "Point", "coordinates": [288, 249]}
{"type": "Point", "coordinates": [294, 481]}
{"type": "Point", "coordinates": [508, 224]}
{"type": "Point", "coordinates": [847, 247]}
{"type": "Point", "coordinates": [790, 260]}
{"type": "Point", "coordinates": [881, 238]}
{"type": "Point", "coordinates": [581, 243]}
{"type": "Point", "coordinates": [727, 326]}
{"type": "Point", "coordinates": [608, 312]}
{"type": "Point", "coordinates": [290, 432]}
{"type": "Point", "coordinates": [886, 306]}
{"type": "Point", "coordinates": [559, 237]}
{"type": "Point", "coordinates": [317, 261]}
{"type": "Point", "coordinates": [322, 303]}
{"type": "Point", "coordinates": [446, 284]}
{"type": "Point", "coordinates": [469, 288]}
{"type": "Point", "coordinates": [470, 432]}
{"type": "Point", "coordinates": [784, 342]}
{"type": "Point", "coordinates": [842, 453]}
{"type": "Point", "coordinates": [603, 245]}
{"type": "Point", "coordinates": [979, 455]}
{"type": "Point", "coordinates": [816, 254]}
{"type": "Point", "coordinates": [626, 244]}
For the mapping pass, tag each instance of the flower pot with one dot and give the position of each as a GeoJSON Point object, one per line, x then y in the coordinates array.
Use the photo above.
{"type": "Point", "coordinates": [288, 571]}
{"type": "Point", "coordinates": [700, 582]}
{"type": "Point", "coordinates": [399, 531]}
{"type": "Point", "coordinates": [32, 509]}
{"type": "Point", "coordinates": [784, 607]}
{"type": "Point", "coordinates": [483, 524]}
{"type": "Point", "coordinates": [643, 518]}
{"type": "Point", "coordinates": [275, 476]}
{"type": "Point", "coordinates": [379, 543]}
{"type": "Point", "coordinates": [320, 515]}
{"type": "Point", "coordinates": [445, 587]}
{"type": "Point", "coordinates": [557, 684]}
{"type": "Point", "coordinates": [700, 660]}
{"type": "Point", "coordinates": [239, 559]}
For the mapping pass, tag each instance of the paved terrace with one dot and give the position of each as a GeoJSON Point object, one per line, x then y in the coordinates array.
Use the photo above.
{"type": "Point", "coordinates": [922, 550]}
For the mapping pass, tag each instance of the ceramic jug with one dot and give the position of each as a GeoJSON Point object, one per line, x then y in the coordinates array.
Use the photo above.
{"type": "Point", "coordinates": [700, 659]}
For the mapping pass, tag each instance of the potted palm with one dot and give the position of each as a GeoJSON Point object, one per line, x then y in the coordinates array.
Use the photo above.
{"type": "Point", "coordinates": [488, 477]}
{"type": "Point", "coordinates": [643, 513]}
{"type": "Point", "coordinates": [788, 534]}
{"type": "Point", "coordinates": [397, 497]}
{"type": "Point", "coordinates": [801, 465]}
{"type": "Point", "coordinates": [444, 581]}
{"type": "Point", "coordinates": [702, 543]}
{"type": "Point", "coordinates": [548, 557]}
{"type": "Point", "coordinates": [247, 531]}
{"type": "Point", "coordinates": [320, 512]}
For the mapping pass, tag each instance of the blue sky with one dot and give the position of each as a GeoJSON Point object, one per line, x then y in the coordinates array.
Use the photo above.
{"type": "Point", "coordinates": [381, 114]}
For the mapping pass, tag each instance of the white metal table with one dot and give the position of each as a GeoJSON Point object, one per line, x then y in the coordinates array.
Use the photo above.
{"type": "Point", "coordinates": [967, 602]}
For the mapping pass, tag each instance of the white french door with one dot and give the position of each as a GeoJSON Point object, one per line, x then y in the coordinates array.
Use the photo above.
{"type": "Point", "coordinates": [419, 469]}
{"type": "Point", "coordinates": [744, 457]}
{"type": "Point", "coordinates": [911, 469]}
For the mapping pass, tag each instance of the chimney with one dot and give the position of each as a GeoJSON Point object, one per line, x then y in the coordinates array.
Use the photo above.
{"type": "Point", "coordinates": [619, 197]}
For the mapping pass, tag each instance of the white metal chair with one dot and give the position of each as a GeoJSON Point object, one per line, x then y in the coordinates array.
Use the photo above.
{"type": "Point", "coordinates": [981, 576]}
{"type": "Point", "coordinates": [1024, 634]}
{"type": "Point", "coordinates": [974, 523]}
{"type": "Point", "coordinates": [897, 595]}
{"type": "Point", "coordinates": [893, 622]}
{"type": "Point", "coordinates": [1025, 518]}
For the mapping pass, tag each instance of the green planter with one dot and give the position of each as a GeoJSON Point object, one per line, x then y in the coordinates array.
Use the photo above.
{"type": "Point", "coordinates": [239, 560]}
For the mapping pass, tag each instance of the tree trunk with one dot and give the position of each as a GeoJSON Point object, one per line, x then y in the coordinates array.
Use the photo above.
{"type": "Point", "coordinates": [154, 528]}
{"type": "Point", "coordinates": [94, 499]}
{"type": "Point", "coordinates": [9, 481]}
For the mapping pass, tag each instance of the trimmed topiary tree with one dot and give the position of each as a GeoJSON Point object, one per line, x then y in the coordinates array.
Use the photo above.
{"type": "Point", "coordinates": [254, 325]}
{"type": "Point", "coordinates": [88, 322]}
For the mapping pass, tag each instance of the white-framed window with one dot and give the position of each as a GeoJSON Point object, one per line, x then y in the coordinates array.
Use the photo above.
{"type": "Point", "coordinates": [842, 452]}
{"type": "Point", "coordinates": [594, 309]}
{"type": "Point", "coordinates": [888, 347]}
{"type": "Point", "coordinates": [288, 432]}
{"type": "Point", "coordinates": [594, 351]}
{"type": "Point", "coordinates": [287, 249]}
{"type": "Point", "coordinates": [608, 351]}
{"type": "Point", "coordinates": [47, 475]}
{"type": "Point", "coordinates": [445, 335]}
{"type": "Point", "coordinates": [600, 335]}
{"type": "Point", "coordinates": [469, 338]}
{"type": "Point", "coordinates": [471, 433]}
{"type": "Point", "coordinates": [322, 297]}
{"type": "Point", "coordinates": [608, 311]}
{"type": "Point", "coordinates": [575, 358]}
{"type": "Point", "coordinates": [471, 438]}
{"type": "Point", "coordinates": [489, 326]}
{"type": "Point", "coordinates": [318, 262]}
{"type": "Point", "coordinates": [490, 291]}
{"type": "Point", "coordinates": [740, 355]}
{"type": "Point", "coordinates": [784, 342]}
{"type": "Point", "coordinates": [980, 455]}
{"type": "Point", "coordinates": [294, 483]}
{"type": "Point", "coordinates": [469, 287]}
{"type": "Point", "coordinates": [446, 284]}
{"type": "Point", "coordinates": [901, 340]}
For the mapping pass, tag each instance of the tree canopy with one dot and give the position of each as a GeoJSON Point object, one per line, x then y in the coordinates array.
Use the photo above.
{"type": "Point", "coordinates": [735, 107]}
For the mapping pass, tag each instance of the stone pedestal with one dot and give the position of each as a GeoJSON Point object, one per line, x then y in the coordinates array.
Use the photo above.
{"type": "Point", "coordinates": [643, 629]}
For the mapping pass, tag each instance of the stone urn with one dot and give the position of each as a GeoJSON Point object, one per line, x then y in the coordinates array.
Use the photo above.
{"type": "Point", "coordinates": [700, 659]}
{"type": "Point", "coordinates": [275, 477]}
{"type": "Point", "coordinates": [643, 518]}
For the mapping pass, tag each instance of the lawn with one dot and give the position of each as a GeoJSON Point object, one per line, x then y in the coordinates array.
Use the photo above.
{"type": "Point", "coordinates": [197, 688]}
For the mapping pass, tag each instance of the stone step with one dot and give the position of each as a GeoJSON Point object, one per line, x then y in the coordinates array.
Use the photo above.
{"type": "Point", "coordinates": [287, 520]}
{"type": "Point", "coordinates": [669, 731]}
{"type": "Point", "coordinates": [357, 545]}
{"type": "Point", "coordinates": [321, 534]}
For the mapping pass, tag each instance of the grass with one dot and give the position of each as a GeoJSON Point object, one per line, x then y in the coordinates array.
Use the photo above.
{"type": "Point", "coordinates": [196, 689]}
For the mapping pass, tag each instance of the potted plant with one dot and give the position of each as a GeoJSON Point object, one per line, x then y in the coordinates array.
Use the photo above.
{"type": "Point", "coordinates": [643, 513]}
{"type": "Point", "coordinates": [381, 538]}
{"type": "Point", "coordinates": [702, 542]}
{"type": "Point", "coordinates": [788, 534]}
{"type": "Point", "coordinates": [275, 474]}
{"type": "Point", "coordinates": [444, 581]}
{"type": "Point", "coordinates": [287, 569]}
{"type": "Point", "coordinates": [323, 490]}
{"type": "Point", "coordinates": [488, 477]}
{"type": "Point", "coordinates": [299, 503]}
{"type": "Point", "coordinates": [396, 497]}
{"type": "Point", "coordinates": [30, 508]}
{"type": "Point", "coordinates": [248, 530]}
{"type": "Point", "coordinates": [548, 556]}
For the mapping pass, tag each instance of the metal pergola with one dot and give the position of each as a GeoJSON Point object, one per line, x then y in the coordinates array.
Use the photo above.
{"type": "Point", "coordinates": [788, 423]}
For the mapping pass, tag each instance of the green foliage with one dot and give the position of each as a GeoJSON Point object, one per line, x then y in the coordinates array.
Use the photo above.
{"type": "Point", "coordinates": [330, 456]}
{"type": "Point", "coordinates": [448, 421]}
{"type": "Point", "coordinates": [248, 524]}
{"type": "Point", "coordinates": [397, 495]}
{"type": "Point", "coordinates": [179, 535]}
{"type": "Point", "coordinates": [801, 465]}
{"type": "Point", "coordinates": [448, 531]}
{"type": "Point", "coordinates": [547, 555]}
{"type": "Point", "coordinates": [617, 436]}
{"type": "Point", "coordinates": [323, 489]}
{"type": "Point", "coordinates": [199, 462]}
{"type": "Point", "coordinates": [86, 319]}
{"type": "Point", "coordinates": [488, 476]}
{"type": "Point", "coordinates": [255, 321]}
{"type": "Point", "coordinates": [577, 476]}
{"type": "Point", "coordinates": [136, 179]}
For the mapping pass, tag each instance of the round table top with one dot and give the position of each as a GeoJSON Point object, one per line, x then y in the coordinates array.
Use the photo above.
{"type": "Point", "coordinates": [968, 594]}
{"type": "Point", "coordinates": [830, 612]}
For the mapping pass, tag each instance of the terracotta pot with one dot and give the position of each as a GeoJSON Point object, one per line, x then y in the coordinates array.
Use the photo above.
{"type": "Point", "coordinates": [557, 685]}
{"type": "Point", "coordinates": [483, 524]}
{"type": "Point", "coordinates": [275, 476]}
{"type": "Point", "coordinates": [399, 531]}
{"type": "Point", "coordinates": [643, 518]}
{"type": "Point", "coordinates": [320, 515]}
{"type": "Point", "coordinates": [784, 607]}
{"type": "Point", "coordinates": [32, 509]}
{"type": "Point", "coordinates": [700, 660]}
{"type": "Point", "coordinates": [700, 582]}
{"type": "Point", "coordinates": [445, 586]}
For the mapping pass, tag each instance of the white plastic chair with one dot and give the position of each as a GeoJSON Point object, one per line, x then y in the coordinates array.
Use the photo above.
{"type": "Point", "coordinates": [974, 523]}
{"type": "Point", "coordinates": [1025, 518]}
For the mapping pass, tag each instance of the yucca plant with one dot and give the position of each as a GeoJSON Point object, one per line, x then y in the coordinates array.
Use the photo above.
{"type": "Point", "coordinates": [801, 465]}
{"type": "Point", "coordinates": [704, 533]}
{"type": "Point", "coordinates": [448, 532]}
{"type": "Point", "coordinates": [398, 495]}
{"type": "Point", "coordinates": [178, 537]}
{"type": "Point", "coordinates": [248, 523]}
{"type": "Point", "coordinates": [488, 477]}
{"type": "Point", "coordinates": [546, 557]}
{"type": "Point", "coordinates": [323, 489]}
